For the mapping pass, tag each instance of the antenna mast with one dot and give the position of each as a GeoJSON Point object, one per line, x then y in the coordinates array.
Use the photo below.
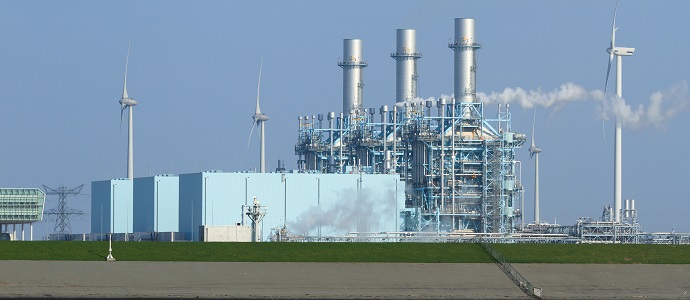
{"type": "Point", "coordinates": [62, 213]}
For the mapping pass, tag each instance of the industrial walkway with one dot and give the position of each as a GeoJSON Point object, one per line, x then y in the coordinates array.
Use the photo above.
{"type": "Point", "coordinates": [334, 280]}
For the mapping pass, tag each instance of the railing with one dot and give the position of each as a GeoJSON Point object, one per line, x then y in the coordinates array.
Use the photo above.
{"type": "Point", "coordinates": [514, 275]}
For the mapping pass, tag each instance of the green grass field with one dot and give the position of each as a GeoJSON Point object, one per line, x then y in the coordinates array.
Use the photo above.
{"type": "Point", "coordinates": [345, 252]}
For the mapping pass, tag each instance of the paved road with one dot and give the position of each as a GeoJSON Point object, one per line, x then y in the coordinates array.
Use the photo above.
{"type": "Point", "coordinates": [254, 280]}
{"type": "Point", "coordinates": [571, 281]}
{"type": "Point", "coordinates": [336, 280]}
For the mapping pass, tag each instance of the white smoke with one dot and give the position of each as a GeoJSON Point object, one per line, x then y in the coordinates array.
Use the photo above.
{"type": "Point", "coordinates": [567, 92]}
{"type": "Point", "coordinates": [662, 105]}
{"type": "Point", "coordinates": [352, 211]}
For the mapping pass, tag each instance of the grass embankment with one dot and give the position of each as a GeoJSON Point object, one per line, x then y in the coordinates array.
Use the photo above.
{"type": "Point", "coordinates": [595, 253]}
{"type": "Point", "coordinates": [247, 252]}
{"type": "Point", "coordinates": [346, 252]}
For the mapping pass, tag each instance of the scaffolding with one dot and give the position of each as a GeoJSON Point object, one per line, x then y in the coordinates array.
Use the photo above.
{"type": "Point", "coordinates": [459, 166]}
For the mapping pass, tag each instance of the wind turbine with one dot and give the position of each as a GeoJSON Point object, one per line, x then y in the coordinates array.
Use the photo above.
{"type": "Point", "coordinates": [259, 119]}
{"type": "Point", "coordinates": [534, 152]}
{"type": "Point", "coordinates": [618, 52]}
{"type": "Point", "coordinates": [127, 102]}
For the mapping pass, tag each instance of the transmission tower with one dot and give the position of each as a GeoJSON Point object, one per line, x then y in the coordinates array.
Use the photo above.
{"type": "Point", "coordinates": [62, 213]}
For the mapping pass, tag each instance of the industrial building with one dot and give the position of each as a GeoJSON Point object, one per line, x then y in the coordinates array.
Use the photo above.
{"type": "Point", "coordinates": [112, 207]}
{"type": "Point", "coordinates": [418, 170]}
{"type": "Point", "coordinates": [20, 206]}
{"type": "Point", "coordinates": [458, 165]}
{"type": "Point", "coordinates": [306, 204]}
{"type": "Point", "coordinates": [156, 204]}
{"type": "Point", "coordinates": [301, 203]}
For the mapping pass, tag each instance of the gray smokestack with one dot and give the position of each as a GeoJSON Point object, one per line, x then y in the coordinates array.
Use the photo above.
{"type": "Point", "coordinates": [406, 56]}
{"type": "Point", "coordinates": [353, 82]}
{"type": "Point", "coordinates": [465, 48]}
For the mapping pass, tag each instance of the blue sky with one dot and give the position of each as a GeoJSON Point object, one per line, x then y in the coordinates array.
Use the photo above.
{"type": "Point", "coordinates": [194, 65]}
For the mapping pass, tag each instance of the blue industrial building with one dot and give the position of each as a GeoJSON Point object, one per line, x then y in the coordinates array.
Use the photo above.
{"type": "Point", "coordinates": [112, 206]}
{"type": "Point", "coordinates": [305, 203]}
{"type": "Point", "coordinates": [156, 204]}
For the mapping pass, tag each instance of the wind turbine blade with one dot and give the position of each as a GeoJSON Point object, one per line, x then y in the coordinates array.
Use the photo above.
{"type": "Point", "coordinates": [122, 111]}
{"type": "Point", "coordinates": [534, 120]}
{"type": "Point", "coordinates": [258, 88]}
{"type": "Point", "coordinates": [124, 88]}
{"type": "Point", "coordinates": [613, 27]}
{"type": "Point", "coordinates": [250, 134]}
{"type": "Point", "coordinates": [608, 72]}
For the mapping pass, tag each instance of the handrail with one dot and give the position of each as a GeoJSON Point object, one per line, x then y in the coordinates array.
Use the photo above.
{"type": "Point", "coordinates": [514, 275]}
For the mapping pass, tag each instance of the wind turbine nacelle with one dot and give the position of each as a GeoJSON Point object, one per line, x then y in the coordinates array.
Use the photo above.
{"type": "Point", "coordinates": [623, 51]}
{"type": "Point", "coordinates": [260, 117]}
{"type": "Point", "coordinates": [128, 102]}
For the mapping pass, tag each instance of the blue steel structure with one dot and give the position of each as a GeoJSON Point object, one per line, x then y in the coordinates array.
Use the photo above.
{"type": "Point", "coordinates": [459, 166]}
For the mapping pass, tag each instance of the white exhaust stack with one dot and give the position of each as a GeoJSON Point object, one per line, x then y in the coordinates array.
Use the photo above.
{"type": "Point", "coordinates": [353, 82]}
{"type": "Point", "coordinates": [406, 56]}
{"type": "Point", "coordinates": [465, 49]}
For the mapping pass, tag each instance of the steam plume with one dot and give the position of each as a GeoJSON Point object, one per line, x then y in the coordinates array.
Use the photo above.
{"type": "Point", "coordinates": [662, 106]}
{"type": "Point", "coordinates": [353, 211]}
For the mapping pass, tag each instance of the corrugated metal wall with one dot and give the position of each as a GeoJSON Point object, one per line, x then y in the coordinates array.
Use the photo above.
{"type": "Point", "coordinates": [333, 204]}
{"type": "Point", "coordinates": [111, 206]}
{"type": "Point", "coordinates": [329, 204]}
{"type": "Point", "coordinates": [156, 204]}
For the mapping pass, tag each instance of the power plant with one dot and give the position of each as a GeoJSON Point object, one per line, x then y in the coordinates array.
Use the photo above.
{"type": "Point", "coordinates": [438, 169]}
{"type": "Point", "coordinates": [459, 166]}
{"type": "Point", "coordinates": [418, 170]}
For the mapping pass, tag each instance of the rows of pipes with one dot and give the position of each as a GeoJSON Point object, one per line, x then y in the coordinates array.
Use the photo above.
{"type": "Point", "coordinates": [458, 165]}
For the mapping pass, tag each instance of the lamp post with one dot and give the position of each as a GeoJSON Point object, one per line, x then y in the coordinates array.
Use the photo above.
{"type": "Point", "coordinates": [110, 236]}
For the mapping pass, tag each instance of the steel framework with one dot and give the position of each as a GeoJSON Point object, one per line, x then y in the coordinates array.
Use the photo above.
{"type": "Point", "coordinates": [63, 212]}
{"type": "Point", "coordinates": [459, 166]}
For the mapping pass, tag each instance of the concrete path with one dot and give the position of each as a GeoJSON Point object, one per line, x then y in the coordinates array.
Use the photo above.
{"type": "Point", "coordinates": [67, 279]}
{"type": "Point", "coordinates": [571, 281]}
{"type": "Point", "coordinates": [254, 280]}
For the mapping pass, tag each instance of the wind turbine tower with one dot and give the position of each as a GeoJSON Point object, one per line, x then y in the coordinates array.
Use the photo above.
{"type": "Point", "coordinates": [534, 152]}
{"type": "Point", "coordinates": [260, 119]}
{"type": "Point", "coordinates": [618, 52]}
{"type": "Point", "coordinates": [127, 102]}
